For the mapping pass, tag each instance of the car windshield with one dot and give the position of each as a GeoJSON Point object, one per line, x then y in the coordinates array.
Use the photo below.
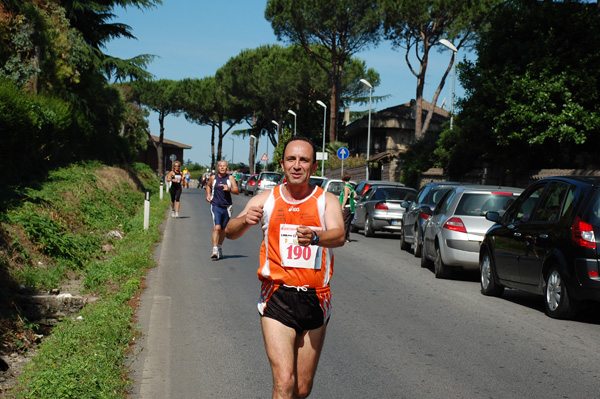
{"type": "Point", "coordinates": [436, 194]}
{"type": "Point", "coordinates": [390, 193]}
{"type": "Point", "coordinates": [472, 204]}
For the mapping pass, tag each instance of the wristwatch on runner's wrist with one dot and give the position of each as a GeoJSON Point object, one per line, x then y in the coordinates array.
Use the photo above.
{"type": "Point", "coordinates": [315, 239]}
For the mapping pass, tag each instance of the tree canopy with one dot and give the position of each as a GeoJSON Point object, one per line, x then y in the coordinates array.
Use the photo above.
{"type": "Point", "coordinates": [533, 89]}
{"type": "Point", "coordinates": [417, 27]}
{"type": "Point", "coordinates": [331, 32]}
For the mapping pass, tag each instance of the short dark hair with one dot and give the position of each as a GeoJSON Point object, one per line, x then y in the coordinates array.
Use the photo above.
{"type": "Point", "coordinates": [346, 177]}
{"type": "Point", "coordinates": [302, 138]}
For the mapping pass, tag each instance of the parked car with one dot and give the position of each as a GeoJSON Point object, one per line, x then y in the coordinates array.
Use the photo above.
{"type": "Point", "coordinates": [380, 209]}
{"type": "Point", "coordinates": [335, 186]}
{"type": "Point", "coordinates": [243, 181]}
{"type": "Point", "coordinates": [317, 180]}
{"type": "Point", "coordinates": [454, 231]}
{"type": "Point", "coordinates": [546, 243]}
{"type": "Point", "coordinates": [412, 221]}
{"type": "Point", "coordinates": [250, 186]}
{"type": "Point", "coordinates": [363, 186]}
{"type": "Point", "coordinates": [267, 180]}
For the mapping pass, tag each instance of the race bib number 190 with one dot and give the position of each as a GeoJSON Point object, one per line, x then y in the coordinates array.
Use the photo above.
{"type": "Point", "coordinates": [294, 255]}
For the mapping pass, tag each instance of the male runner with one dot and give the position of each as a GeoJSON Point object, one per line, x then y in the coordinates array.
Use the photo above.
{"type": "Point", "coordinates": [218, 192]}
{"type": "Point", "coordinates": [300, 224]}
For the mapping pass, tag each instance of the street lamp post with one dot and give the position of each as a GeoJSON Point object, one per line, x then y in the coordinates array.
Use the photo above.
{"type": "Point", "coordinates": [451, 46]}
{"type": "Point", "coordinates": [366, 83]}
{"type": "Point", "coordinates": [293, 113]}
{"type": "Point", "coordinates": [322, 104]}
{"type": "Point", "coordinates": [232, 148]}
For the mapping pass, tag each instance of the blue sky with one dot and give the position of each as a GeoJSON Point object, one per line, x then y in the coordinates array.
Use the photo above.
{"type": "Point", "coordinates": [194, 38]}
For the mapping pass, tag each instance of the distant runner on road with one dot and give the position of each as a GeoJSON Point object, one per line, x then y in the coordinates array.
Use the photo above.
{"type": "Point", "coordinates": [218, 192]}
{"type": "Point", "coordinates": [300, 223]}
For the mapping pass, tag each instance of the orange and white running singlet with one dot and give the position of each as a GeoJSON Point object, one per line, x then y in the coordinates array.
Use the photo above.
{"type": "Point", "coordinates": [282, 260]}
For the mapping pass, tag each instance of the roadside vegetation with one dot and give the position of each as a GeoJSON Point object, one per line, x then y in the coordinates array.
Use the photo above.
{"type": "Point", "coordinates": [82, 228]}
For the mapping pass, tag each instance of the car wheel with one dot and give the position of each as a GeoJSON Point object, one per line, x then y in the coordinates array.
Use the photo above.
{"type": "Point", "coordinates": [368, 227]}
{"type": "Point", "coordinates": [404, 246]}
{"type": "Point", "coordinates": [417, 247]}
{"type": "Point", "coordinates": [558, 303]}
{"type": "Point", "coordinates": [440, 270]}
{"type": "Point", "coordinates": [489, 287]}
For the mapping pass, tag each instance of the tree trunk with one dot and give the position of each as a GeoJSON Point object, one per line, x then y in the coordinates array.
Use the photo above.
{"type": "Point", "coordinates": [159, 145]}
{"type": "Point", "coordinates": [212, 148]}
{"type": "Point", "coordinates": [419, 100]}
{"type": "Point", "coordinates": [220, 143]}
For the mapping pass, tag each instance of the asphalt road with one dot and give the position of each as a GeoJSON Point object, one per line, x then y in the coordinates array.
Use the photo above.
{"type": "Point", "coordinates": [395, 332]}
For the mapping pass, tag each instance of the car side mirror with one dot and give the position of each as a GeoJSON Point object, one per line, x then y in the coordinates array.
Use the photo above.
{"type": "Point", "coordinates": [405, 204]}
{"type": "Point", "coordinates": [492, 216]}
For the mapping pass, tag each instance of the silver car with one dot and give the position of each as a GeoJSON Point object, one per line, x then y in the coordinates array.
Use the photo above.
{"type": "Point", "coordinates": [380, 209]}
{"type": "Point", "coordinates": [335, 186]}
{"type": "Point", "coordinates": [267, 180]}
{"type": "Point", "coordinates": [454, 231]}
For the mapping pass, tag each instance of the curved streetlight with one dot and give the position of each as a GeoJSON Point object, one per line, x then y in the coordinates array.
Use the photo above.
{"type": "Point", "coordinates": [322, 104]}
{"type": "Point", "coordinates": [293, 113]}
{"type": "Point", "coordinates": [366, 83]}
{"type": "Point", "coordinates": [451, 46]}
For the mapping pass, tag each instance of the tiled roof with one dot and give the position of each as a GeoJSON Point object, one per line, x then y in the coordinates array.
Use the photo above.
{"type": "Point", "coordinates": [172, 143]}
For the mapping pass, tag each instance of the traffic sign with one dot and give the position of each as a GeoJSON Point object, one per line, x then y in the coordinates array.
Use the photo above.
{"type": "Point", "coordinates": [343, 153]}
{"type": "Point", "coordinates": [264, 158]}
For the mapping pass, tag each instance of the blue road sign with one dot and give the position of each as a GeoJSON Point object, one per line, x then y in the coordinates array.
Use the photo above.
{"type": "Point", "coordinates": [343, 153]}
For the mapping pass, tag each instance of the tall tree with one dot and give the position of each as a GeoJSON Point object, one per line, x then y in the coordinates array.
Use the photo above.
{"type": "Point", "coordinates": [213, 101]}
{"type": "Point", "coordinates": [418, 25]}
{"type": "Point", "coordinates": [163, 97]}
{"type": "Point", "coordinates": [341, 27]}
{"type": "Point", "coordinates": [92, 18]}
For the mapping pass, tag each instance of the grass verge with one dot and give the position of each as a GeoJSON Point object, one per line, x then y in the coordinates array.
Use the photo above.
{"type": "Point", "coordinates": [60, 230]}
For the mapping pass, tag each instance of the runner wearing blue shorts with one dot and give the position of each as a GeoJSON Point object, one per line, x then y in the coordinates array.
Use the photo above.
{"type": "Point", "coordinates": [218, 192]}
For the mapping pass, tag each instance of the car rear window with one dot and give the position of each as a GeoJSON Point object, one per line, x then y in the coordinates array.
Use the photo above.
{"type": "Point", "coordinates": [316, 182]}
{"type": "Point", "coordinates": [472, 204]}
{"type": "Point", "coordinates": [593, 211]}
{"type": "Point", "coordinates": [336, 187]}
{"type": "Point", "coordinates": [270, 176]}
{"type": "Point", "coordinates": [393, 194]}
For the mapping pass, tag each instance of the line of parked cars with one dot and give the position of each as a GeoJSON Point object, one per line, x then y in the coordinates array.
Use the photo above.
{"type": "Point", "coordinates": [541, 239]}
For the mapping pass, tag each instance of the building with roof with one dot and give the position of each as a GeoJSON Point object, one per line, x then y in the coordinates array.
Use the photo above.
{"type": "Point", "coordinates": [170, 148]}
{"type": "Point", "coordinates": [392, 132]}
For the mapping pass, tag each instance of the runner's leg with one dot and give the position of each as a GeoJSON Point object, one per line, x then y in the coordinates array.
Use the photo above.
{"type": "Point", "coordinates": [279, 343]}
{"type": "Point", "coordinates": [309, 346]}
{"type": "Point", "coordinates": [293, 357]}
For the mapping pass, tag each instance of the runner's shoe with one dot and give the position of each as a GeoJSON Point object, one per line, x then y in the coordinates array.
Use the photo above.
{"type": "Point", "coordinates": [215, 254]}
{"type": "Point", "coordinates": [220, 253]}
{"type": "Point", "coordinates": [172, 214]}
{"type": "Point", "coordinates": [176, 214]}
